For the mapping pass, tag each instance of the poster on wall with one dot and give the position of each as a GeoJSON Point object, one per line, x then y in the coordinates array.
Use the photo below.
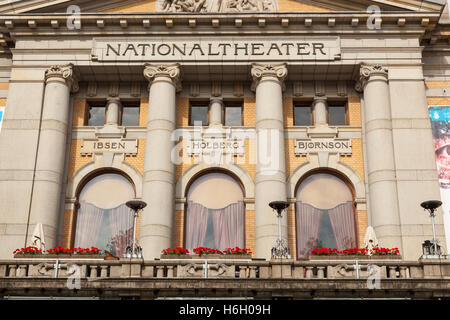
{"type": "Point", "coordinates": [2, 112]}
{"type": "Point", "coordinates": [440, 125]}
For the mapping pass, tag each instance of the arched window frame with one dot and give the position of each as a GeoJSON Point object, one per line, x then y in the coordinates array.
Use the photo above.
{"type": "Point", "coordinates": [338, 175]}
{"type": "Point", "coordinates": [201, 174]}
{"type": "Point", "coordinates": [80, 188]}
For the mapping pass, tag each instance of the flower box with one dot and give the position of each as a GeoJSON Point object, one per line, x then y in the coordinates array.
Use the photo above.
{"type": "Point", "coordinates": [207, 256]}
{"type": "Point", "coordinates": [354, 257]}
{"type": "Point", "coordinates": [176, 256]}
{"type": "Point", "coordinates": [237, 256]}
{"type": "Point", "coordinates": [59, 256]}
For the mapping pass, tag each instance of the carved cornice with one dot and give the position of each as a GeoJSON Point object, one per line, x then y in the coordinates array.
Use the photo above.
{"type": "Point", "coordinates": [62, 73]}
{"type": "Point", "coordinates": [366, 72]}
{"type": "Point", "coordinates": [261, 72]}
{"type": "Point", "coordinates": [165, 72]}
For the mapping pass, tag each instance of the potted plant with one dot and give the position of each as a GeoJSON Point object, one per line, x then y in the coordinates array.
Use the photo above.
{"type": "Point", "coordinates": [354, 253]}
{"type": "Point", "coordinates": [28, 252]}
{"type": "Point", "coordinates": [91, 253]}
{"type": "Point", "coordinates": [207, 253]}
{"type": "Point", "coordinates": [237, 253]}
{"type": "Point", "coordinates": [175, 253]}
{"type": "Point", "coordinates": [385, 253]}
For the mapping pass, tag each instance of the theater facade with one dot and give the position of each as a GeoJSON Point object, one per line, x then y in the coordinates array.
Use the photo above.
{"type": "Point", "coordinates": [208, 111]}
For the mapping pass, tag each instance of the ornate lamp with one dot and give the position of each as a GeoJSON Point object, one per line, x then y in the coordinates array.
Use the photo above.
{"type": "Point", "coordinates": [431, 206]}
{"type": "Point", "coordinates": [135, 251]}
{"type": "Point", "coordinates": [281, 249]}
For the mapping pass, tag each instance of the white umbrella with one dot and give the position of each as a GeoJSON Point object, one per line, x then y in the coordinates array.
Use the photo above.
{"type": "Point", "coordinates": [370, 239]}
{"type": "Point", "coordinates": [38, 239]}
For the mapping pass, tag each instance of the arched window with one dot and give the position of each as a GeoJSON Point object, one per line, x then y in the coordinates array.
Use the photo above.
{"type": "Point", "coordinates": [215, 213]}
{"type": "Point", "coordinates": [103, 219]}
{"type": "Point", "coordinates": [325, 214]}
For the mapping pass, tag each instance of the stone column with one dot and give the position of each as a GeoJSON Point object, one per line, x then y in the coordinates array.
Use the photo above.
{"type": "Point", "coordinates": [216, 115]}
{"type": "Point", "coordinates": [113, 106]}
{"type": "Point", "coordinates": [46, 207]}
{"type": "Point", "coordinates": [159, 169]}
{"type": "Point", "coordinates": [380, 155]}
{"type": "Point", "coordinates": [270, 169]}
{"type": "Point", "coordinates": [320, 111]}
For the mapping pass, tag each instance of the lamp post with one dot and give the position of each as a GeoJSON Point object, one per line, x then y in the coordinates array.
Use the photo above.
{"type": "Point", "coordinates": [281, 248]}
{"type": "Point", "coordinates": [135, 205]}
{"type": "Point", "coordinates": [431, 206]}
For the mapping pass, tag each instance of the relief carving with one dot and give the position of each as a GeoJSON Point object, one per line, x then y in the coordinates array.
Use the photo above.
{"type": "Point", "coordinates": [217, 6]}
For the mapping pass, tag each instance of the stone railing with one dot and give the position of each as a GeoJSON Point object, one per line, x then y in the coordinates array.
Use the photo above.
{"type": "Point", "coordinates": [224, 269]}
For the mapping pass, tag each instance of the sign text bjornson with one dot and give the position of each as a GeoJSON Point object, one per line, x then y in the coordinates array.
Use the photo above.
{"type": "Point", "coordinates": [305, 146]}
{"type": "Point", "coordinates": [221, 49]}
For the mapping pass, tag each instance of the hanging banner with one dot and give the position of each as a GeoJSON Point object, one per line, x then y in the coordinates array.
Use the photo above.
{"type": "Point", "coordinates": [2, 112]}
{"type": "Point", "coordinates": [440, 125]}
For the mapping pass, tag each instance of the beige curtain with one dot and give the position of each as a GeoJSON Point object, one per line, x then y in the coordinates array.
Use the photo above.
{"type": "Point", "coordinates": [343, 223]}
{"type": "Point", "coordinates": [308, 220]}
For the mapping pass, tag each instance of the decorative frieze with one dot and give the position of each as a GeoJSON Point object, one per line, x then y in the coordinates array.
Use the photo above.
{"type": "Point", "coordinates": [195, 6]}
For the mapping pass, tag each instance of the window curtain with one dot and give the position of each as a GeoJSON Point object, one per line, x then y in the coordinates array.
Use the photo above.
{"type": "Point", "coordinates": [343, 224]}
{"type": "Point", "coordinates": [89, 221]}
{"type": "Point", "coordinates": [229, 226]}
{"type": "Point", "coordinates": [121, 220]}
{"type": "Point", "coordinates": [308, 220]}
{"type": "Point", "coordinates": [196, 224]}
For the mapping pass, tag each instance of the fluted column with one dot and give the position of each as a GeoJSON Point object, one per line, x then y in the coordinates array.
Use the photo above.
{"type": "Point", "coordinates": [320, 111]}
{"type": "Point", "coordinates": [159, 169]}
{"type": "Point", "coordinates": [270, 169]}
{"type": "Point", "coordinates": [216, 111]}
{"type": "Point", "coordinates": [45, 208]}
{"type": "Point", "coordinates": [380, 155]}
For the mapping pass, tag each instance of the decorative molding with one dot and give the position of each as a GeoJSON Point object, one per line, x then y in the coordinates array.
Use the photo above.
{"type": "Point", "coordinates": [233, 6]}
{"type": "Point", "coordinates": [194, 89]}
{"type": "Point", "coordinates": [367, 71]}
{"type": "Point", "coordinates": [238, 89]}
{"type": "Point", "coordinates": [273, 71]}
{"type": "Point", "coordinates": [170, 72]}
{"type": "Point", "coordinates": [297, 88]}
{"type": "Point", "coordinates": [342, 88]}
{"type": "Point", "coordinates": [64, 73]}
{"type": "Point", "coordinates": [92, 89]}
{"type": "Point", "coordinates": [114, 89]}
{"type": "Point", "coordinates": [216, 88]}
{"type": "Point", "coordinates": [319, 88]}
{"type": "Point", "coordinates": [135, 90]}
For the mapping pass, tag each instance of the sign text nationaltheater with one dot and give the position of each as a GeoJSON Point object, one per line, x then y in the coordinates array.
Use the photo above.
{"type": "Point", "coordinates": [223, 49]}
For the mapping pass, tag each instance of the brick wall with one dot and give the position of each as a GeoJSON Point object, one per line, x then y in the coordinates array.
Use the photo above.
{"type": "Point", "coordinates": [355, 161]}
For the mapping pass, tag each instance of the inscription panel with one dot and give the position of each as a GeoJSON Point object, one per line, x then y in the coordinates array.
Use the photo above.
{"type": "Point", "coordinates": [223, 49]}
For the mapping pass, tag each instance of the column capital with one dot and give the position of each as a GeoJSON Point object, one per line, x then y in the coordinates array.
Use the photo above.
{"type": "Point", "coordinates": [110, 100]}
{"type": "Point", "coordinates": [320, 99]}
{"type": "Point", "coordinates": [265, 71]}
{"type": "Point", "coordinates": [62, 73]}
{"type": "Point", "coordinates": [216, 100]}
{"type": "Point", "coordinates": [367, 72]}
{"type": "Point", "coordinates": [164, 72]}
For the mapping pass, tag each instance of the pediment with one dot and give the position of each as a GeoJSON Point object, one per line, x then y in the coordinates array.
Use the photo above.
{"type": "Point", "coordinates": [142, 6]}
